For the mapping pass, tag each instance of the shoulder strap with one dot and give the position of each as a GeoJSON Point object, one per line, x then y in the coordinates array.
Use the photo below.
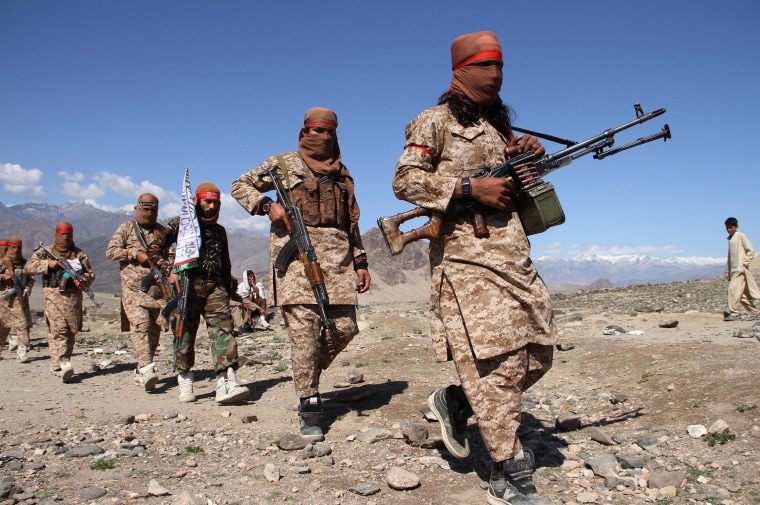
{"type": "Point", "coordinates": [284, 168]}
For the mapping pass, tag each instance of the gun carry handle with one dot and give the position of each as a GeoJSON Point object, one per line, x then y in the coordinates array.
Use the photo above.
{"type": "Point", "coordinates": [396, 240]}
{"type": "Point", "coordinates": [285, 255]}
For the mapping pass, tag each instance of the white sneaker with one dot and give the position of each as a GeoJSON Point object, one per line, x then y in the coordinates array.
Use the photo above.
{"type": "Point", "coordinates": [13, 343]}
{"type": "Point", "coordinates": [228, 390]}
{"type": "Point", "coordinates": [21, 355]}
{"type": "Point", "coordinates": [147, 377]}
{"type": "Point", "coordinates": [67, 372]}
{"type": "Point", "coordinates": [263, 321]}
{"type": "Point", "coordinates": [185, 382]}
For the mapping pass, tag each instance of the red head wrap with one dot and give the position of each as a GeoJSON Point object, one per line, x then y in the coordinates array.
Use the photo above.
{"type": "Point", "coordinates": [207, 191]}
{"type": "Point", "coordinates": [481, 84]}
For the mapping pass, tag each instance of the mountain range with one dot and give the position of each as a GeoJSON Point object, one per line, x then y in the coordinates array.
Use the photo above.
{"type": "Point", "coordinates": [404, 275]}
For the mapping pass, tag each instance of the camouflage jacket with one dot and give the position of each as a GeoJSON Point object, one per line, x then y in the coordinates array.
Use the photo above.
{"type": "Point", "coordinates": [503, 302]}
{"type": "Point", "coordinates": [214, 261]}
{"type": "Point", "coordinates": [5, 287]}
{"type": "Point", "coordinates": [38, 265]}
{"type": "Point", "coordinates": [335, 248]}
{"type": "Point", "coordinates": [123, 247]}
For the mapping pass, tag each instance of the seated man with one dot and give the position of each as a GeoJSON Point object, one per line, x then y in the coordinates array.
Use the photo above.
{"type": "Point", "coordinates": [253, 303]}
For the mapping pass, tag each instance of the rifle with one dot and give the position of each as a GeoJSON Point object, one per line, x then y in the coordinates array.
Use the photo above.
{"type": "Point", "coordinates": [301, 243]}
{"type": "Point", "coordinates": [19, 291]}
{"type": "Point", "coordinates": [536, 200]}
{"type": "Point", "coordinates": [179, 302]}
{"type": "Point", "coordinates": [155, 275]}
{"type": "Point", "coordinates": [75, 276]}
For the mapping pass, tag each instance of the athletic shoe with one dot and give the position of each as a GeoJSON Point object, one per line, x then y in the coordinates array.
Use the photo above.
{"type": "Point", "coordinates": [185, 381]}
{"type": "Point", "coordinates": [21, 355]}
{"type": "Point", "coordinates": [263, 322]}
{"type": "Point", "coordinates": [310, 418]}
{"type": "Point", "coordinates": [13, 342]}
{"type": "Point", "coordinates": [228, 390]}
{"type": "Point", "coordinates": [452, 416]}
{"type": "Point", "coordinates": [67, 372]}
{"type": "Point", "coordinates": [147, 377]}
{"type": "Point", "coordinates": [512, 482]}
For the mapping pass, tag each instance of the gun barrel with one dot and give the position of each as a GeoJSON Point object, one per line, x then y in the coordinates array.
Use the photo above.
{"type": "Point", "coordinates": [664, 134]}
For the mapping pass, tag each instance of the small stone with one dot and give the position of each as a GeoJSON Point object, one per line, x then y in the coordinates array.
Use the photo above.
{"type": "Point", "coordinates": [249, 419]}
{"type": "Point", "coordinates": [92, 493]}
{"type": "Point", "coordinates": [415, 433]}
{"type": "Point", "coordinates": [365, 488]}
{"type": "Point", "coordinates": [84, 451]}
{"type": "Point", "coordinates": [271, 472]}
{"type": "Point", "coordinates": [156, 489]}
{"type": "Point", "coordinates": [696, 430]}
{"type": "Point", "coordinates": [225, 413]}
{"type": "Point", "coordinates": [629, 461]}
{"type": "Point", "coordinates": [127, 420]}
{"type": "Point", "coordinates": [613, 330]}
{"type": "Point", "coordinates": [171, 416]}
{"type": "Point", "coordinates": [587, 497]}
{"type": "Point", "coordinates": [291, 442]}
{"type": "Point", "coordinates": [568, 421]}
{"type": "Point", "coordinates": [355, 378]}
{"type": "Point", "coordinates": [668, 491]}
{"type": "Point", "coordinates": [618, 397]}
{"type": "Point", "coordinates": [734, 487]}
{"type": "Point", "coordinates": [566, 346]}
{"type": "Point", "coordinates": [400, 479]}
{"type": "Point", "coordinates": [718, 426]}
{"type": "Point", "coordinates": [604, 465]}
{"type": "Point", "coordinates": [601, 437]}
{"type": "Point", "coordinates": [191, 463]}
{"type": "Point", "coordinates": [189, 499]}
{"type": "Point", "coordinates": [374, 435]}
{"type": "Point", "coordinates": [142, 418]}
{"type": "Point", "coordinates": [341, 385]}
{"type": "Point", "coordinates": [661, 479]}
{"type": "Point", "coordinates": [646, 443]}
{"type": "Point", "coordinates": [321, 450]}
{"type": "Point", "coordinates": [668, 324]}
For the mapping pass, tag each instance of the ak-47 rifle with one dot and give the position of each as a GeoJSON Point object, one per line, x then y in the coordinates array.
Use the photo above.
{"type": "Point", "coordinates": [301, 243]}
{"type": "Point", "coordinates": [536, 200]}
{"type": "Point", "coordinates": [155, 275]}
{"type": "Point", "coordinates": [75, 276]}
{"type": "Point", "coordinates": [18, 290]}
{"type": "Point", "coordinates": [179, 302]}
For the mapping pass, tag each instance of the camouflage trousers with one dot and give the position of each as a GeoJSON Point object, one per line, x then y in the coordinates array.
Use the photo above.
{"type": "Point", "coordinates": [63, 314]}
{"type": "Point", "coordinates": [13, 322]}
{"type": "Point", "coordinates": [494, 386]}
{"type": "Point", "coordinates": [312, 350]}
{"type": "Point", "coordinates": [211, 301]}
{"type": "Point", "coordinates": [143, 313]}
{"type": "Point", "coordinates": [243, 312]}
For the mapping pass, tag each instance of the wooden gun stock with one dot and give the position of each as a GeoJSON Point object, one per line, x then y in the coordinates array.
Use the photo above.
{"type": "Point", "coordinates": [396, 240]}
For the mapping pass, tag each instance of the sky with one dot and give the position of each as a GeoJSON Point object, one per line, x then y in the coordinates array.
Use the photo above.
{"type": "Point", "coordinates": [103, 101]}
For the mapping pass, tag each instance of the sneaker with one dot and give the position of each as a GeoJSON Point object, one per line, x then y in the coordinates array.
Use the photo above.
{"type": "Point", "coordinates": [502, 492]}
{"type": "Point", "coordinates": [247, 328]}
{"type": "Point", "coordinates": [263, 322]}
{"type": "Point", "coordinates": [147, 377]}
{"type": "Point", "coordinates": [21, 355]}
{"type": "Point", "coordinates": [240, 330]}
{"type": "Point", "coordinates": [228, 390]}
{"type": "Point", "coordinates": [185, 381]}
{"type": "Point", "coordinates": [13, 342]}
{"type": "Point", "coordinates": [452, 416]}
{"type": "Point", "coordinates": [310, 418]}
{"type": "Point", "coordinates": [67, 372]}
{"type": "Point", "coordinates": [729, 317]}
{"type": "Point", "coordinates": [518, 475]}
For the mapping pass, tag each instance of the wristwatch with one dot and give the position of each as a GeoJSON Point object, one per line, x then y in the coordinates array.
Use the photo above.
{"type": "Point", "coordinates": [466, 186]}
{"type": "Point", "coordinates": [264, 207]}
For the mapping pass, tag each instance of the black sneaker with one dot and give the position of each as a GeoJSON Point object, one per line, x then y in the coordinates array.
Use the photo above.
{"type": "Point", "coordinates": [310, 417]}
{"type": "Point", "coordinates": [452, 415]}
{"type": "Point", "coordinates": [502, 492]}
{"type": "Point", "coordinates": [519, 473]}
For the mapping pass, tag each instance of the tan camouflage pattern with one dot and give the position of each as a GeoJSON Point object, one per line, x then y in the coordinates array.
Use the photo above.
{"type": "Point", "coordinates": [334, 247]}
{"type": "Point", "coordinates": [312, 350]}
{"type": "Point", "coordinates": [12, 318]}
{"type": "Point", "coordinates": [504, 303]}
{"type": "Point", "coordinates": [63, 311]}
{"type": "Point", "coordinates": [142, 310]}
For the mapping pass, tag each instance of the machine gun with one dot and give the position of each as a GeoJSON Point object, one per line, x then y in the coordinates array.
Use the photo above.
{"type": "Point", "coordinates": [301, 243]}
{"type": "Point", "coordinates": [18, 290]}
{"type": "Point", "coordinates": [536, 200]}
{"type": "Point", "coordinates": [75, 276]}
{"type": "Point", "coordinates": [155, 275]}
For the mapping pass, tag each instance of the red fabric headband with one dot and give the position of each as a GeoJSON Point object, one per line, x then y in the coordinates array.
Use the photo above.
{"type": "Point", "coordinates": [325, 124]}
{"type": "Point", "coordinates": [65, 230]}
{"type": "Point", "coordinates": [207, 195]}
{"type": "Point", "coordinates": [496, 55]}
{"type": "Point", "coordinates": [12, 243]}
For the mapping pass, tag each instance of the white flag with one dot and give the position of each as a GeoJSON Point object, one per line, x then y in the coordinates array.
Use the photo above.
{"type": "Point", "coordinates": [189, 235]}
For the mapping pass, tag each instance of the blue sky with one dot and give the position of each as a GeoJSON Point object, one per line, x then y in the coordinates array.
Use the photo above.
{"type": "Point", "coordinates": [105, 100]}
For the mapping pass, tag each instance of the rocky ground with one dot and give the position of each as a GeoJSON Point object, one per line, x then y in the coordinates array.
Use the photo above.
{"type": "Point", "coordinates": [608, 423]}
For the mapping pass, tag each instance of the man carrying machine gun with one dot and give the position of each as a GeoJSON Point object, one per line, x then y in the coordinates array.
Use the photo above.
{"type": "Point", "coordinates": [320, 312]}
{"type": "Point", "coordinates": [63, 294]}
{"type": "Point", "coordinates": [143, 287]}
{"type": "Point", "coordinates": [15, 288]}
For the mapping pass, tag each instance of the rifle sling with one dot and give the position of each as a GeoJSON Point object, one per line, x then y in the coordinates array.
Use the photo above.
{"type": "Point", "coordinates": [284, 168]}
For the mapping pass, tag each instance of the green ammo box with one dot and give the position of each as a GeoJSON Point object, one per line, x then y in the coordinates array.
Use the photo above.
{"type": "Point", "coordinates": [539, 209]}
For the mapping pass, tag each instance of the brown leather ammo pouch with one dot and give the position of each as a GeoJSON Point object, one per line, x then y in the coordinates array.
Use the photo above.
{"type": "Point", "coordinates": [539, 209]}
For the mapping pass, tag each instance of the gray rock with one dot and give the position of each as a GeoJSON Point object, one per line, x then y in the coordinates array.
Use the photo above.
{"type": "Point", "coordinates": [127, 419]}
{"type": "Point", "coordinates": [400, 479]}
{"type": "Point", "coordinates": [415, 433]}
{"type": "Point", "coordinates": [355, 378]}
{"type": "Point", "coordinates": [365, 488]}
{"type": "Point", "coordinates": [668, 324]}
{"type": "Point", "coordinates": [618, 397]}
{"type": "Point", "coordinates": [156, 489]}
{"type": "Point", "coordinates": [171, 416]}
{"type": "Point", "coordinates": [92, 493]}
{"type": "Point", "coordinates": [600, 436]}
{"type": "Point", "coordinates": [614, 329]}
{"type": "Point", "coordinates": [291, 442]}
{"type": "Point", "coordinates": [374, 435]}
{"type": "Point", "coordinates": [34, 467]}
{"type": "Point", "coordinates": [568, 421]}
{"type": "Point", "coordinates": [271, 472]}
{"type": "Point", "coordinates": [663, 479]}
{"type": "Point", "coordinates": [189, 499]}
{"type": "Point", "coordinates": [321, 450]}
{"type": "Point", "coordinates": [249, 419]}
{"type": "Point", "coordinates": [566, 346]}
{"type": "Point", "coordinates": [629, 461]}
{"type": "Point", "coordinates": [604, 465]}
{"type": "Point", "coordinates": [84, 451]}
{"type": "Point", "coordinates": [646, 443]}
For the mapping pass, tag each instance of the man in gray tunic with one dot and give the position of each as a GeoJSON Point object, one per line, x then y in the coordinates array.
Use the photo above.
{"type": "Point", "coordinates": [321, 186]}
{"type": "Point", "coordinates": [490, 311]}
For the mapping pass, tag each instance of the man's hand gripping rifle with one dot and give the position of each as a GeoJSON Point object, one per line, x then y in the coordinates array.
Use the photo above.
{"type": "Point", "coordinates": [155, 275]}
{"type": "Point", "coordinates": [75, 276]}
{"type": "Point", "coordinates": [18, 290]}
{"type": "Point", "coordinates": [301, 243]}
{"type": "Point", "coordinates": [526, 171]}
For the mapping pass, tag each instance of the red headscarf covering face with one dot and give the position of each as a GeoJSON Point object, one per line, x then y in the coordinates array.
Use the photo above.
{"type": "Point", "coordinates": [64, 238]}
{"type": "Point", "coordinates": [481, 84]}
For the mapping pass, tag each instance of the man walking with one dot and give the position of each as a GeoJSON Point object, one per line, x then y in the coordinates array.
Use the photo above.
{"type": "Point", "coordinates": [15, 289]}
{"type": "Point", "coordinates": [742, 288]}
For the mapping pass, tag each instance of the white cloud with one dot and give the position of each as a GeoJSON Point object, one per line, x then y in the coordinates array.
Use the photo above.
{"type": "Point", "coordinates": [22, 183]}
{"type": "Point", "coordinates": [123, 185]}
{"type": "Point", "coordinates": [234, 216]}
{"type": "Point", "coordinates": [168, 211]}
{"type": "Point", "coordinates": [76, 176]}
{"type": "Point", "coordinates": [90, 192]}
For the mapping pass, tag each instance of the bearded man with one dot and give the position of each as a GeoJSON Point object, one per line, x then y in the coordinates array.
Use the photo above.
{"type": "Point", "coordinates": [208, 295]}
{"type": "Point", "coordinates": [63, 299]}
{"type": "Point", "coordinates": [321, 186]}
{"type": "Point", "coordinates": [490, 311]}
{"type": "Point", "coordinates": [142, 310]}
{"type": "Point", "coordinates": [14, 316]}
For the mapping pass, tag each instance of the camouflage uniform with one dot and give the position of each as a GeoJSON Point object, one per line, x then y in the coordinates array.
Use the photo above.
{"type": "Point", "coordinates": [336, 249]}
{"type": "Point", "coordinates": [207, 295]}
{"type": "Point", "coordinates": [490, 310]}
{"type": "Point", "coordinates": [143, 310]}
{"type": "Point", "coordinates": [12, 317]}
{"type": "Point", "coordinates": [63, 309]}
